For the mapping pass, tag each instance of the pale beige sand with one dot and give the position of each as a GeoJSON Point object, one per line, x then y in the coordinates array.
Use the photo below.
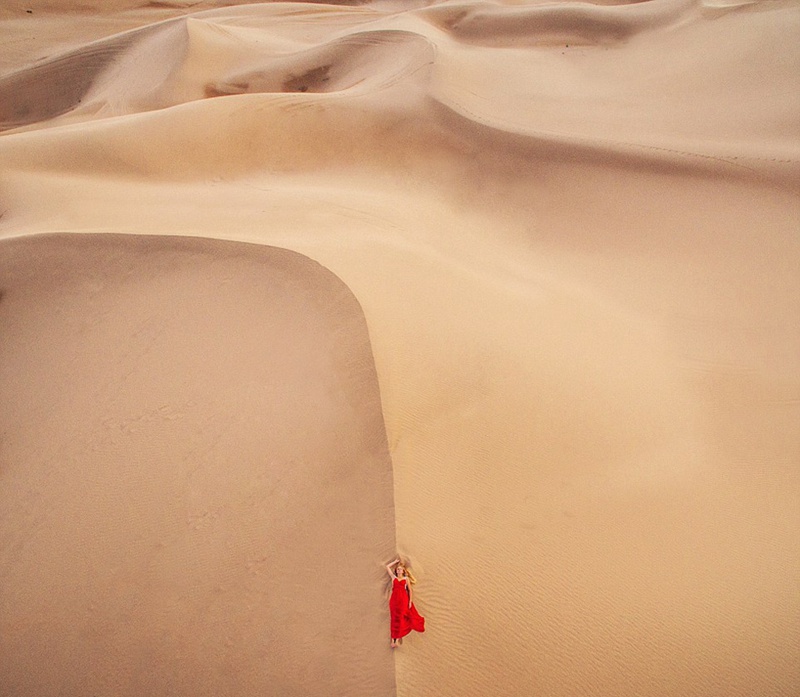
{"type": "Point", "coordinates": [193, 460]}
{"type": "Point", "coordinates": [574, 232]}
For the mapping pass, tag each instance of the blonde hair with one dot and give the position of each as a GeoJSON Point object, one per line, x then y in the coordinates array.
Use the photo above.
{"type": "Point", "coordinates": [404, 563]}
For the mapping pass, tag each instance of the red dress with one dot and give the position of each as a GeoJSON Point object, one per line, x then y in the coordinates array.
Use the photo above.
{"type": "Point", "coordinates": [404, 615]}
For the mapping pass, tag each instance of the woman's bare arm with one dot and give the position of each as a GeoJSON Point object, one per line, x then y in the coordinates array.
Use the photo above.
{"type": "Point", "coordinates": [390, 567]}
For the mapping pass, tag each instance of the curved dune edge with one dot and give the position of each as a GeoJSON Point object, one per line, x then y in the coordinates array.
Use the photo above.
{"type": "Point", "coordinates": [193, 460]}
{"type": "Point", "coordinates": [580, 269]}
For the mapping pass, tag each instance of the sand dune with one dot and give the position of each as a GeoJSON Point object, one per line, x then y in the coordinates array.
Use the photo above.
{"type": "Point", "coordinates": [572, 229]}
{"type": "Point", "coordinates": [50, 89]}
{"type": "Point", "coordinates": [540, 24]}
{"type": "Point", "coordinates": [194, 455]}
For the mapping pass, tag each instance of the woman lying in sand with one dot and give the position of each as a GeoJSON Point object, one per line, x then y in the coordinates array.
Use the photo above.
{"type": "Point", "coordinates": [404, 616]}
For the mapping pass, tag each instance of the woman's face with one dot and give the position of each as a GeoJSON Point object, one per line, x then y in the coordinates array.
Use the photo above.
{"type": "Point", "coordinates": [401, 570]}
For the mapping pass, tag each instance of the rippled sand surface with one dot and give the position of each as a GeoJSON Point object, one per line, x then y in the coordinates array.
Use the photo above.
{"type": "Point", "coordinates": [521, 294]}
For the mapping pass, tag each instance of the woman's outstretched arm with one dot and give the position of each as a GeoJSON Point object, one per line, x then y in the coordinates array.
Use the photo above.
{"type": "Point", "coordinates": [390, 567]}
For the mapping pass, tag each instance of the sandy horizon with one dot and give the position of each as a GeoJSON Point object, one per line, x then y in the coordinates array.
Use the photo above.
{"type": "Point", "coordinates": [511, 289]}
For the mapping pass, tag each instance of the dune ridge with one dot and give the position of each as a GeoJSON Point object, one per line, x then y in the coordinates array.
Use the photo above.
{"type": "Point", "coordinates": [572, 229]}
{"type": "Point", "coordinates": [363, 65]}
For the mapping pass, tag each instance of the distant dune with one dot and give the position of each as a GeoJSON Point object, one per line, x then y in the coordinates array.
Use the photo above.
{"type": "Point", "coordinates": [519, 301]}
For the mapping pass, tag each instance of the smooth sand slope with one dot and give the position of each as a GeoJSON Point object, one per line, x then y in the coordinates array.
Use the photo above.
{"type": "Point", "coordinates": [193, 456]}
{"type": "Point", "coordinates": [574, 231]}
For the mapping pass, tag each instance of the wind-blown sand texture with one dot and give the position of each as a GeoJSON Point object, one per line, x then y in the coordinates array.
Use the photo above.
{"type": "Point", "coordinates": [574, 233]}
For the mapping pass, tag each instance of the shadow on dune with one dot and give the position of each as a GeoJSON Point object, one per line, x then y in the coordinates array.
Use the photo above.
{"type": "Point", "coordinates": [56, 86]}
{"type": "Point", "coordinates": [375, 58]}
{"type": "Point", "coordinates": [553, 23]}
{"type": "Point", "coordinates": [198, 463]}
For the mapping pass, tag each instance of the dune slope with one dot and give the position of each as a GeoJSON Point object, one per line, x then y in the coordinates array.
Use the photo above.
{"type": "Point", "coordinates": [193, 458]}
